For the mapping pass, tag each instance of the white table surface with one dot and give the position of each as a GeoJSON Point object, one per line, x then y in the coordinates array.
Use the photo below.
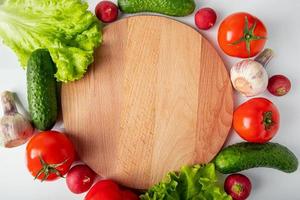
{"type": "Point", "coordinates": [282, 20]}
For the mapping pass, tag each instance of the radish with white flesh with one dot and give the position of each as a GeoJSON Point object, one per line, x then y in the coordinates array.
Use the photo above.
{"type": "Point", "coordinates": [249, 77]}
{"type": "Point", "coordinates": [80, 178]}
{"type": "Point", "coordinates": [15, 129]}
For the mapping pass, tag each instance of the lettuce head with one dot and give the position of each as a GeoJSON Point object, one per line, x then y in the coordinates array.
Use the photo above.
{"type": "Point", "coordinates": [198, 182]}
{"type": "Point", "coordinates": [65, 27]}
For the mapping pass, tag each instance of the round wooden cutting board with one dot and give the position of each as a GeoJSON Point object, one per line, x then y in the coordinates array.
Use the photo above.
{"type": "Point", "coordinates": [157, 97]}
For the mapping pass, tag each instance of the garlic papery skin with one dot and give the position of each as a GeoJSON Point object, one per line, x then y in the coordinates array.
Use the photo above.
{"type": "Point", "coordinates": [15, 129]}
{"type": "Point", "coordinates": [249, 77]}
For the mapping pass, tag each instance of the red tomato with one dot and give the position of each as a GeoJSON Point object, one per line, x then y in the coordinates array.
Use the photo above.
{"type": "Point", "coordinates": [49, 155]}
{"type": "Point", "coordinates": [128, 195]}
{"type": "Point", "coordinates": [242, 35]}
{"type": "Point", "coordinates": [256, 120]}
{"type": "Point", "coordinates": [104, 190]}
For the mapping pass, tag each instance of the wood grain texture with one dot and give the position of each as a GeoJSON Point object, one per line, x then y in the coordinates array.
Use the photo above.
{"type": "Point", "coordinates": [157, 97]}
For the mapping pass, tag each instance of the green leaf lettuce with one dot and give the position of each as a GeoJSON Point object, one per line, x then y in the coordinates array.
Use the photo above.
{"type": "Point", "coordinates": [64, 27]}
{"type": "Point", "coordinates": [191, 183]}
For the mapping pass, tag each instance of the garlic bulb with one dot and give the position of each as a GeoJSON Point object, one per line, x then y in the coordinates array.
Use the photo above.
{"type": "Point", "coordinates": [14, 128]}
{"type": "Point", "coordinates": [249, 77]}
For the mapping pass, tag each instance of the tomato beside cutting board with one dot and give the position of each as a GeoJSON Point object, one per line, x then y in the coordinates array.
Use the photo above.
{"type": "Point", "coordinates": [109, 190]}
{"type": "Point", "coordinates": [49, 155]}
{"type": "Point", "coordinates": [242, 35]}
{"type": "Point", "coordinates": [256, 120]}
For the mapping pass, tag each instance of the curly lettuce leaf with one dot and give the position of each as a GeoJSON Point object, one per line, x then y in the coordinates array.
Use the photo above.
{"type": "Point", "coordinates": [64, 27]}
{"type": "Point", "coordinates": [191, 183]}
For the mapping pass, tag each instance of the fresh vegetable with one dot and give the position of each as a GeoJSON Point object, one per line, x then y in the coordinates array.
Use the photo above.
{"type": "Point", "coordinates": [107, 11]}
{"type": "Point", "coordinates": [242, 35]}
{"type": "Point", "coordinates": [49, 155]}
{"type": "Point", "coordinates": [104, 190]}
{"type": "Point", "coordinates": [80, 178]}
{"type": "Point", "coordinates": [242, 156]}
{"type": "Point", "coordinates": [64, 27]}
{"type": "Point", "coordinates": [15, 129]}
{"type": "Point", "coordinates": [256, 120]}
{"type": "Point", "coordinates": [197, 182]}
{"type": "Point", "coordinates": [238, 186]}
{"type": "Point", "coordinates": [128, 195]}
{"type": "Point", "coordinates": [249, 77]}
{"type": "Point", "coordinates": [177, 8]}
{"type": "Point", "coordinates": [279, 85]}
{"type": "Point", "coordinates": [109, 190]}
{"type": "Point", "coordinates": [41, 90]}
{"type": "Point", "coordinates": [205, 18]}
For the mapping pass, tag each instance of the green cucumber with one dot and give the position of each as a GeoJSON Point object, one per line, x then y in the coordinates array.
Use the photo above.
{"type": "Point", "coordinates": [41, 90]}
{"type": "Point", "coordinates": [177, 8]}
{"type": "Point", "coordinates": [242, 156]}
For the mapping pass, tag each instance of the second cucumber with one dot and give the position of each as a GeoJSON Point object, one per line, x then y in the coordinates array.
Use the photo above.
{"type": "Point", "coordinates": [177, 8]}
{"type": "Point", "coordinates": [242, 156]}
{"type": "Point", "coordinates": [41, 89]}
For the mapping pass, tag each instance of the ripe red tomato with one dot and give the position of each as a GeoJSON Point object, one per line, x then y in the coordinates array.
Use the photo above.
{"type": "Point", "coordinates": [128, 195]}
{"type": "Point", "coordinates": [109, 190]}
{"type": "Point", "coordinates": [256, 120]}
{"type": "Point", "coordinates": [242, 35]}
{"type": "Point", "coordinates": [49, 155]}
{"type": "Point", "coordinates": [104, 190]}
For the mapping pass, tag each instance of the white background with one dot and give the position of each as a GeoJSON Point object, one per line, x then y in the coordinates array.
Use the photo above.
{"type": "Point", "coordinates": [282, 20]}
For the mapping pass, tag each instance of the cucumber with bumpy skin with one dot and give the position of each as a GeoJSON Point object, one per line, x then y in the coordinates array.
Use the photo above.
{"type": "Point", "coordinates": [177, 8]}
{"type": "Point", "coordinates": [41, 89]}
{"type": "Point", "coordinates": [242, 156]}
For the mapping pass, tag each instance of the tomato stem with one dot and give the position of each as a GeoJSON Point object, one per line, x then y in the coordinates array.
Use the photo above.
{"type": "Point", "coordinates": [267, 120]}
{"type": "Point", "coordinates": [48, 169]}
{"type": "Point", "coordinates": [249, 35]}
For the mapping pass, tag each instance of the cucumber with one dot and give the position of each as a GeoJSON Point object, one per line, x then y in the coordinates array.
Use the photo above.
{"type": "Point", "coordinates": [177, 8]}
{"type": "Point", "coordinates": [242, 156]}
{"type": "Point", "coordinates": [41, 90]}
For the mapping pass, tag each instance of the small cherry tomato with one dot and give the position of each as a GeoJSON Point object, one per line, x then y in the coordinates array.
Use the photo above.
{"type": "Point", "coordinates": [242, 35]}
{"type": "Point", "coordinates": [49, 155]}
{"type": "Point", "coordinates": [256, 120]}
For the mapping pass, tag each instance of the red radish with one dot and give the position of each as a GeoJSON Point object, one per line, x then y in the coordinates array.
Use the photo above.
{"type": "Point", "coordinates": [205, 18]}
{"type": "Point", "coordinates": [279, 85]}
{"type": "Point", "coordinates": [80, 178]}
{"type": "Point", "coordinates": [128, 195]}
{"type": "Point", "coordinates": [107, 11]}
{"type": "Point", "coordinates": [238, 186]}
